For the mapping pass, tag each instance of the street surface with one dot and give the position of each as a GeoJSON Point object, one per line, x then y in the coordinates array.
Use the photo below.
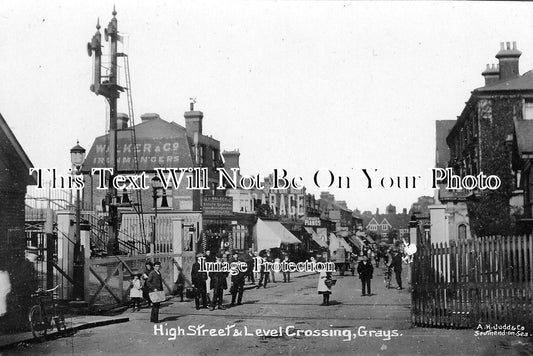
{"type": "Point", "coordinates": [381, 325]}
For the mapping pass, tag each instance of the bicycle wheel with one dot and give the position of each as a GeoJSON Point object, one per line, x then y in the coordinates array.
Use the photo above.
{"type": "Point", "coordinates": [37, 322]}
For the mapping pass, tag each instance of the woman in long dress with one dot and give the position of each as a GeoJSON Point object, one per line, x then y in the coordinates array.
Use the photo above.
{"type": "Point", "coordinates": [323, 287]}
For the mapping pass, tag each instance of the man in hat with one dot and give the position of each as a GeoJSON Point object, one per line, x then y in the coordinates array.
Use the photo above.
{"type": "Point", "coordinates": [218, 284]}
{"type": "Point", "coordinates": [155, 284]}
{"type": "Point", "coordinates": [198, 280]}
{"type": "Point", "coordinates": [237, 285]}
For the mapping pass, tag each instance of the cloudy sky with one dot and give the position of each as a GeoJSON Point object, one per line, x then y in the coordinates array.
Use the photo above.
{"type": "Point", "coordinates": [300, 85]}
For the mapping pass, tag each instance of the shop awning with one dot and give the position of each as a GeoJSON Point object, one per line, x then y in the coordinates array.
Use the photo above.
{"type": "Point", "coordinates": [315, 237]}
{"type": "Point", "coordinates": [356, 241]}
{"type": "Point", "coordinates": [369, 239]}
{"type": "Point", "coordinates": [271, 234]}
{"type": "Point", "coordinates": [336, 242]}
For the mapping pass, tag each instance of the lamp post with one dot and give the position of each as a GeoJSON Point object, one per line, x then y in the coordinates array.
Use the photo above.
{"type": "Point", "coordinates": [156, 186]}
{"type": "Point", "coordinates": [77, 157]}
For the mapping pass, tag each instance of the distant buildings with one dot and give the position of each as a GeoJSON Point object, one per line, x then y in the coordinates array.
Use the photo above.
{"type": "Point", "coordinates": [388, 224]}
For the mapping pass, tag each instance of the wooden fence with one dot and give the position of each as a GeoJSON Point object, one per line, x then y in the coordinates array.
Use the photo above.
{"type": "Point", "coordinates": [109, 278]}
{"type": "Point", "coordinates": [484, 280]}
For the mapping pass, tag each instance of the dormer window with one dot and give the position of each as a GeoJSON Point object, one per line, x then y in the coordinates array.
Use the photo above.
{"type": "Point", "coordinates": [528, 109]}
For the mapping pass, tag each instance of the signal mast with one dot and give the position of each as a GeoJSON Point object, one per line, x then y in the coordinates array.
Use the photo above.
{"type": "Point", "coordinates": [109, 89]}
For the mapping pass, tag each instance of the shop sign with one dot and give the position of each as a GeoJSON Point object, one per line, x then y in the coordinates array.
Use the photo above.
{"type": "Point", "coordinates": [312, 221]}
{"type": "Point", "coordinates": [217, 205]}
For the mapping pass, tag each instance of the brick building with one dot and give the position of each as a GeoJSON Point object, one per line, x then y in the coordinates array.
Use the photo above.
{"type": "Point", "coordinates": [489, 136]}
{"type": "Point", "coordinates": [14, 177]}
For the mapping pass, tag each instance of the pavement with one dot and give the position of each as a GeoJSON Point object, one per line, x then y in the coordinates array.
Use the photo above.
{"type": "Point", "coordinates": [282, 319]}
{"type": "Point", "coordinates": [73, 324]}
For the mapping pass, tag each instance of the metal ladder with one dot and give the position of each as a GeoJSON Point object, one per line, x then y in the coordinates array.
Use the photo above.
{"type": "Point", "coordinates": [134, 140]}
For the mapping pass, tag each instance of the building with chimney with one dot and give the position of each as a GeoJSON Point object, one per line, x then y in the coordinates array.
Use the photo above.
{"type": "Point", "coordinates": [153, 144]}
{"type": "Point", "coordinates": [491, 135]}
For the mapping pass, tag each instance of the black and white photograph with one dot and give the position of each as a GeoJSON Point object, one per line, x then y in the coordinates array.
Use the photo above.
{"type": "Point", "coordinates": [266, 177]}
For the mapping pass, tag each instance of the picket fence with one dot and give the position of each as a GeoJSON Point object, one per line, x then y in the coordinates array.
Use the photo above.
{"type": "Point", "coordinates": [483, 280]}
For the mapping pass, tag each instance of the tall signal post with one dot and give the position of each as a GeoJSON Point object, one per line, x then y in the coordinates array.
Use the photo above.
{"type": "Point", "coordinates": [111, 91]}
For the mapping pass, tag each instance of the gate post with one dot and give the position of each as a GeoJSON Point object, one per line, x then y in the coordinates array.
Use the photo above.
{"type": "Point", "coordinates": [50, 245]}
{"type": "Point", "coordinates": [85, 240]}
{"type": "Point", "coordinates": [177, 246]}
{"type": "Point", "coordinates": [65, 250]}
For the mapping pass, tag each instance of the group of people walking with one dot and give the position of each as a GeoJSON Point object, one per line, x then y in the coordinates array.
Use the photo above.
{"type": "Point", "coordinates": [145, 284]}
{"type": "Point", "coordinates": [365, 271]}
{"type": "Point", "coordinates": [217, 283]}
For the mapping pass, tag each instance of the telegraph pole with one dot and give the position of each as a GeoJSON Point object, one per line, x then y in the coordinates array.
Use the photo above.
{"type": "Point", "coordinates": [111, 91]}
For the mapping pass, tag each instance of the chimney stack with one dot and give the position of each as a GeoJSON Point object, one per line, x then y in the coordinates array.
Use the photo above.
{"type": "Point", "coordinates": [149, 117]}
{"type": "Point", "coordinates": [491, 74]}
{"type": "Point", "coordinates": [231, 159]}
{"type": "Point", "coordinates": [193, 120]}
{"type": "Point", "coordinates": [122, 121]}
{"type": "Point", "coordinates": [508, 58]}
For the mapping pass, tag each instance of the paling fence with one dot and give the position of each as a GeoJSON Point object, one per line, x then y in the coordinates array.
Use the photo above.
{"type": "Point", "coordinates": [108, 279]}
{"type": "Point", "coordinates": [483, 280]}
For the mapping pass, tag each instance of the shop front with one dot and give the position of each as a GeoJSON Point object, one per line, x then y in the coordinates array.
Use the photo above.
{"type": "Point", "coordinates": [223, 230]}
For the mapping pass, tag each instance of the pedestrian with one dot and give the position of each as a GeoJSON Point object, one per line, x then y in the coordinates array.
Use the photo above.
{"type": "Point", "coordinates": [250, 266]}
{"type": "Point", "coordinates": [270, 259]}
{"type": "Point", "coordinates": [396, 264]}
{"type": "Point", "coordinates": [286, 272]}
{"type": "Point", "coordinates": [365, 271]}
{"type": "Point", "coordinates": [263, 273]}
{"type": "Point", "coordinates": [155, 284]}
{"type": "Point", "coordinates": [180, 284]}
{"type": "Point", "coordinates": [324, 286]}
{"type": "Point", "coordinates": [209, 258]}
{"type": "Point", "coordinates": [237, 285]}
{"type": "Point", "coordinates": [136, 292]}
{"type": "Point", "coordinates": [148, 268]}
{"type": "Point", "coordinates": [378, 258]}
{"type": "Point", "coordinates": [218, 285]}
{"type": "Point", "coordinates": [198, 280]}
{"type": "Point", "coordinates": [353, 263]}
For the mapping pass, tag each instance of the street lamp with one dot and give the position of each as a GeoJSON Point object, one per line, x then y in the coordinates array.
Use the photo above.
{"type": "Point", "coordinates": [156, 186]}
{"type": "Point", "coordinates": [77, 157]}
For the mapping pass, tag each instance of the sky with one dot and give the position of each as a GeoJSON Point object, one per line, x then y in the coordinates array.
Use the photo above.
{"type": "Point", "coordinates": [298, 85]}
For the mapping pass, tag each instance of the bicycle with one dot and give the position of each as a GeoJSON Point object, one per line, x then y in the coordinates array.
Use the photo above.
{"type": "Point", "coordinates": [44, 310]}
{"type": "Point", "coordinates": [388, 277]}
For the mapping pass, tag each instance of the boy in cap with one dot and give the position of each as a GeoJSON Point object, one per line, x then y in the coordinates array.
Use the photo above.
{"type": "Point", "coordinates": [155, 284]}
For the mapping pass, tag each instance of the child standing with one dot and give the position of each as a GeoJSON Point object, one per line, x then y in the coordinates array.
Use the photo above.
{"type": "Point", "coordinates": [180, 285]}
{"type": "Point", "coordinates": [136, 292]}
{"type": "Point", "coordinates": [324, 286]}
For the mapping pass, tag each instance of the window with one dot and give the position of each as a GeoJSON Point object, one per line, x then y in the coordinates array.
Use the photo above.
{"type": "Point", "coordinates": [528, 109]}
{"type": "Point", "coordinates": [164, 198]}
{"type": "Point", "coordinates": [384, 227]}
{"type": "Point", "coordinates": [373, 228]}
{"type": "Point", "coordinates": [461, 232]}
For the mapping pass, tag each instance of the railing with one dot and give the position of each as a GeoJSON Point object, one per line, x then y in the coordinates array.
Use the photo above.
{"type": "Point", "coordinates": [131, 240]}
